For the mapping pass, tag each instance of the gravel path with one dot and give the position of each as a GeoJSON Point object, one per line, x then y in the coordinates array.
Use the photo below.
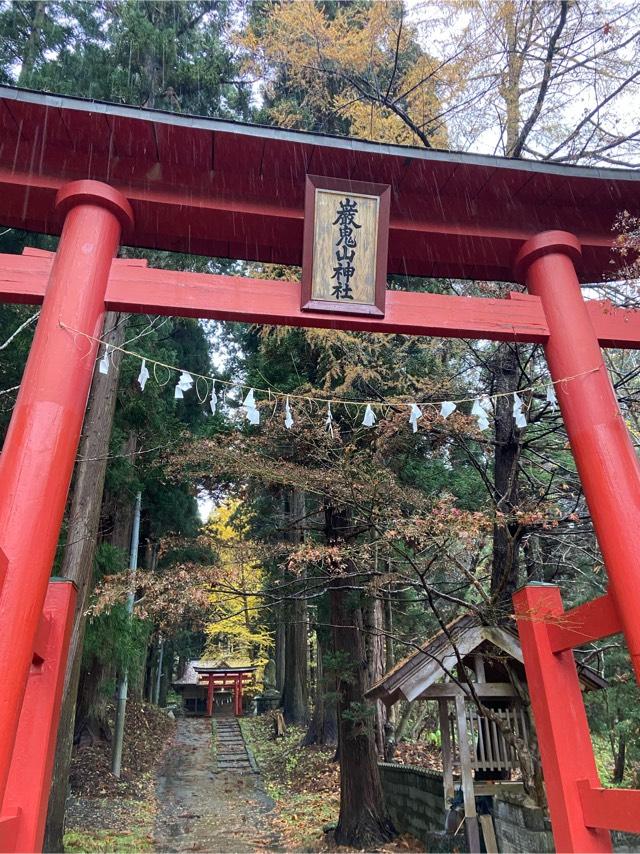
{"type": "Point", "coordinates": [211, 800]}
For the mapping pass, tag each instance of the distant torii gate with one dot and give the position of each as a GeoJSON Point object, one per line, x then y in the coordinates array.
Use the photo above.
{"type": "Point", "coordinates": [222, 678]}
{"type": "Point", "coordinates": [217, 188]}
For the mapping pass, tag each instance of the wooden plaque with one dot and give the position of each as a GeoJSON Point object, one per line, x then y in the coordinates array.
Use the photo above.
{"type": "Point", "coordinates": [346, 232]}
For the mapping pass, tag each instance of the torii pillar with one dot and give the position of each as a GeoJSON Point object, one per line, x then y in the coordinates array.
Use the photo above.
{"type": "Point", "coordinates": [40, 447]}
{"type": "Point", "coordinates": [582, 811]}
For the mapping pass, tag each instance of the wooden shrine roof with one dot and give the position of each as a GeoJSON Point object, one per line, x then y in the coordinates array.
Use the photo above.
{"type": "Point", "coordinates": [412, 676]}
{"type": "Point", "coordinates": [232, 190]}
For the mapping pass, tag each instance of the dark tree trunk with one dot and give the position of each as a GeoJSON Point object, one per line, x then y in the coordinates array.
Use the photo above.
{"type": "Point", "coordinates": [403, 723]}
{"type": "Point", "coordinates": [618, 768]}
{"type": "Point", "coordinates": [374, 643]}
{"type": "Point", "coordinates": [363, 821]}
{"type": "Point", "coordinates": [323, 726]}
{"type": "Point", "coordinates": [294, 696]}
{"type": "Point", "coordinates": [77, 561]}
{"type": "Point", "coordinates": [281, 646]}
{"type": "Point", "coordinates": [91, 721]}
{"type": "Point", "coordinates": [167, 673]}
{"type": "Point", "coordinates": [33, 48]}
{"type": "Point", "coordinates": [506, 533]}
{"type": "Point", "coordinates": [389, 651]}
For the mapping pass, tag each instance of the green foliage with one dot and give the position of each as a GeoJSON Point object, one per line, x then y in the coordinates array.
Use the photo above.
{"type": "Point", "coordinates": [171, 55]}
{"type": "Point", "coordinates": [359, 715]}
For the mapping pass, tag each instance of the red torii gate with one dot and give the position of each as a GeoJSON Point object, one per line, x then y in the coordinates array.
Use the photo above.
{"type": "Point", "coordinates": [102, 173]}
{"type": "Point", "coordinates": [235, 678]}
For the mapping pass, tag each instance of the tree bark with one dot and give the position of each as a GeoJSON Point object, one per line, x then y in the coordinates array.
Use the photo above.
{"type": "Point", "coordinates": [618, 768]}
{"type": "Point", "coordinates": [77, 561]}
{"type": "Point", "coordinates": [323, 726]}
{"type": "Point", "coordinates": [374, 641]}
{"type": "Point", "coordinates": [403, 723]}
{"type": "Point", "coordinates": [390, 653]}
{"type": "Point", "coordinates": [280, 655]}
{"type": "Point", "coordinates": [294, 696]}
{"type": "Point", "coordinates": [33, 49]}
{"type": "Point", "coordinates": [506, 532]}
{"type": "Point", "coordinates": [363, 821]}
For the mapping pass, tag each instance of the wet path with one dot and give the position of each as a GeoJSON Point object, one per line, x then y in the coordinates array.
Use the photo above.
{"type": "Point", "coordinates": [211, 799]}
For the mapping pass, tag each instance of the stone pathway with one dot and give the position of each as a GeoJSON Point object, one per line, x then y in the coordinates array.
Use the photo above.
{"type": "Point", "coordinates": [211, 800]}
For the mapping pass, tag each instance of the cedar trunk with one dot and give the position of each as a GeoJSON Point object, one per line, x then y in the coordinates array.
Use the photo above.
{"type": "Point", "coordinates": [374, 640]}
{"type": "Point", "coordinates": [294, 695]}
{"type": "Point", "coordinates": [506, 532]}
{"type": "Point", "coordinates": [363, 821]}
{"type": "Point", "coordinates": [323, 726]}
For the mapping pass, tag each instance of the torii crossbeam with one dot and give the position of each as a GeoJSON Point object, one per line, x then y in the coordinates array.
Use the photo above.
{"type": "Point", "coordinates": [103, 174]}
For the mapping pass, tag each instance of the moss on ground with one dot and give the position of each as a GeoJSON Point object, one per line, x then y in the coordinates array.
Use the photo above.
{"type": "Point", "coordinates": [136, 839]}
{"type": "Point", "coordinates": [302, 781]}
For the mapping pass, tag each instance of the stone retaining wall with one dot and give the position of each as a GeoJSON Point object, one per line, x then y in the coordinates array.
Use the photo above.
{"type": "Point", "coordinates": [415, 800]}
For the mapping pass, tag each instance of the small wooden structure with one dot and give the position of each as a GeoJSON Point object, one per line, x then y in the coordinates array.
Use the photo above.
{"type": "Point", "coordinates": [202, 680]}
{"type": "Point", "coordinates": [476, 756]}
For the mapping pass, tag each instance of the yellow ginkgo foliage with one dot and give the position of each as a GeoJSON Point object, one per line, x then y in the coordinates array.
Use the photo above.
{"type": "Point", "coordinates": [235, 632]}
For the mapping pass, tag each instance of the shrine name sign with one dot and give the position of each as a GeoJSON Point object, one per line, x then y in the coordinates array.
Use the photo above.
{"type": "Point", "coordinates": [346, 235]}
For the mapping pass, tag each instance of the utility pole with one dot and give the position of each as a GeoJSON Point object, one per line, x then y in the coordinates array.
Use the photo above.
{"type": "Point", "coordinates": [116, 758]}
{"type": "Point", "coordinates": [156, 691]}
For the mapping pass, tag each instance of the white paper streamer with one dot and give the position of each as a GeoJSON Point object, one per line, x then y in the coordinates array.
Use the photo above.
{"type": "Point", "coordinates": [143, 376]}
{"type": "Point", "coordinates": [551, 396]}
{"type": "Point", "coordinates": [329, 419]}
{"type": "Point", "coordinates": [447, 407]}
{"type": "Point", "coordinates": [185, 382]}
{"type": "Point", "coordinates": [518, 413]}
{"type": "Point", "coordinates": [288, 417]}
{"type": "Point", "coordinates": [481, 414]}
{"type": "Point", "coordinates": [369, 417]}
{"type": "Point", "coordinates": [103, 367]}
{"type": "Point", "coordinates": [249, 403]}
{"type": "Point", "coordinates": [213, 403]}
{"type": "Point", "coordinates": [414, 415]}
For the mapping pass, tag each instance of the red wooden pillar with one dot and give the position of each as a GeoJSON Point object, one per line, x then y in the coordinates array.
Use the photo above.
{"type": "Point", "coordinates": [40, 447]}
{"type": "Point", "coordinates": [24, 808]}
{"type": "Point", "coordinates": [239, 709]}
{"type": "Point", "coordinates": [561, 721]}
{"type": "Point", "coordinates": [601, 445]}
{"type": "Point", "coordinates": [210, 695]}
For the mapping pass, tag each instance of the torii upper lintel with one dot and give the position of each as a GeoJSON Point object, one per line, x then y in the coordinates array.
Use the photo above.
{"type": "Point", "coordinates": [229, 190]}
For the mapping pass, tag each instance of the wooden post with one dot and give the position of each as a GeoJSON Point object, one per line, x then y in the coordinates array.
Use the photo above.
{"type": "Point", "coordinates": [447, 753]}
{"type": "Point", "coordinates": [470, 816]}
{"type": "Point", "coordinates": [210, 695]}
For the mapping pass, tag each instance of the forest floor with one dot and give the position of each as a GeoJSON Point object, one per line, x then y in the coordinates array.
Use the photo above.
{"type": "Point", "coordinates": [107, 814]}
{"type": "Point", "coordinates": [192, 786]}
{"type": "Point", "coordinates": [210, 798]}
{"type": "Point", "coordinates": [184, 787]}
{"type": "Point", "coordinates": [304, 783]}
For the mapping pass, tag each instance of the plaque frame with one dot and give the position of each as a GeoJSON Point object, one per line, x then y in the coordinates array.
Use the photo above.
{"type": "Point", "coordinates": [347, 186]}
